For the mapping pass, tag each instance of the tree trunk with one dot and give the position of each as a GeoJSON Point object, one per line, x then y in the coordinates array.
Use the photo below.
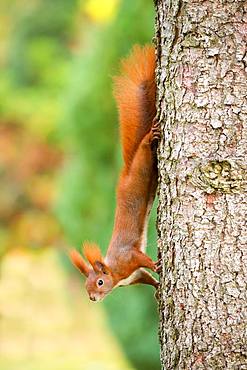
{"type": "Point", "coordinates": [201, 78]}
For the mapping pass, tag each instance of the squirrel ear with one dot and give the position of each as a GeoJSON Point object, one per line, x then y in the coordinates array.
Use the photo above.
{"type": "Point", "coordinates": [79, 262]}
{"type": "Point", "coordinates": [101, 267]}
{"type": "Point", "coordinates": [94, 257]}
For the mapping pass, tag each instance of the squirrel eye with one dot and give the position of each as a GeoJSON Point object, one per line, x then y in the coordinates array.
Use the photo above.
{"type": "Point", "coordinates": [100, 282]}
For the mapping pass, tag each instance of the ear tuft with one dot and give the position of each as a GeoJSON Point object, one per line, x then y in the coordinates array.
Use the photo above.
{"type": "Point", "coordinates": [79, 262]}
{"type": "Point", "coordinates": [92, 253]}
{"type": "Point", "coordinates": [95, 258]}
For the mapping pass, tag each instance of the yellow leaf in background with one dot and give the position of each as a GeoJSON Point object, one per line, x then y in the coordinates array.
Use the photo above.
{"type": "Point", "coordinates": [101, 10]}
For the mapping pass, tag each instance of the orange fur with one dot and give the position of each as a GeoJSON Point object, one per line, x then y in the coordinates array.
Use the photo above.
{"type": "Point", "coordinates": [134, 91]}
{"type": "Point", "coordinates": [92, 253]}
{"type": "Point", "coordinates": [78, 261]}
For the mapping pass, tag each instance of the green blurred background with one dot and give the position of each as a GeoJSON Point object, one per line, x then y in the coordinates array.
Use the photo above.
{"type": "Point", "coordinates": [59, 163]}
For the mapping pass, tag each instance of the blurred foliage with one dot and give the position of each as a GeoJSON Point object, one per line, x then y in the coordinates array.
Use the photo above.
{"type": "Point", "coordinates": [27, 189]}
{"type": "Point", "coordinates": [34, 58]}
{"type": "Point", "coordinates": [57, 112]}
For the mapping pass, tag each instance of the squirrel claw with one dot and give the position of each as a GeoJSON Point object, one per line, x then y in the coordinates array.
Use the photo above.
{"type": "Point", "coordinates": [158, 266]}
{"type": "Point", "coordinates": [155, 130]}
{"type": "Point", "coordinates": [155, 123]}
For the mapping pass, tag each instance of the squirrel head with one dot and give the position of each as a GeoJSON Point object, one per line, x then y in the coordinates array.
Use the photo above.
{"type": "Point", "coordinates": [99, 280]}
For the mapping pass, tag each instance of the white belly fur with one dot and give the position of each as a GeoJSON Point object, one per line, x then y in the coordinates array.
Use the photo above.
{"type": "Point", "coordinates": [129, 279]}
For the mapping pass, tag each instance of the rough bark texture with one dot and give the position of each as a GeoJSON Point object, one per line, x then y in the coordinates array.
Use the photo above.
{"type": "Point", "coordinates": [201, 77]}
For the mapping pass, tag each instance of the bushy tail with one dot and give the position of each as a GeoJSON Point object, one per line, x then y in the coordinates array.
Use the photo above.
{"type": "Point", "coordinates": [134, 91]}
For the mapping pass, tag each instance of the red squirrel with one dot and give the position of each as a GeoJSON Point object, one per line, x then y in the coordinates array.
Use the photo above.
{"type": "Point", "coordinates": [125, 259]}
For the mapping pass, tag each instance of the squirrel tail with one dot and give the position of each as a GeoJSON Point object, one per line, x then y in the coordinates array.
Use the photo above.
{"type": "Point", "coordinates": [135, 92]}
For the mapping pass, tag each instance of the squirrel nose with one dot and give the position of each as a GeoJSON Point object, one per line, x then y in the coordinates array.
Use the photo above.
{"type": "Point", "coordinates": [92, 298]}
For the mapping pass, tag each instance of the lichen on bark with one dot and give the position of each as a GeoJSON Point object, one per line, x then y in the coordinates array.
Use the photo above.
{"type": "Point", "coordinates": [202, 213]}
{"type": "Point", "coordinates": [228, 176]}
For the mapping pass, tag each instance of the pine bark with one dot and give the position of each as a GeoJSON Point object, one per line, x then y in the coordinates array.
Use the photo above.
{"type": "Point", "coordinates": [202, 213]}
